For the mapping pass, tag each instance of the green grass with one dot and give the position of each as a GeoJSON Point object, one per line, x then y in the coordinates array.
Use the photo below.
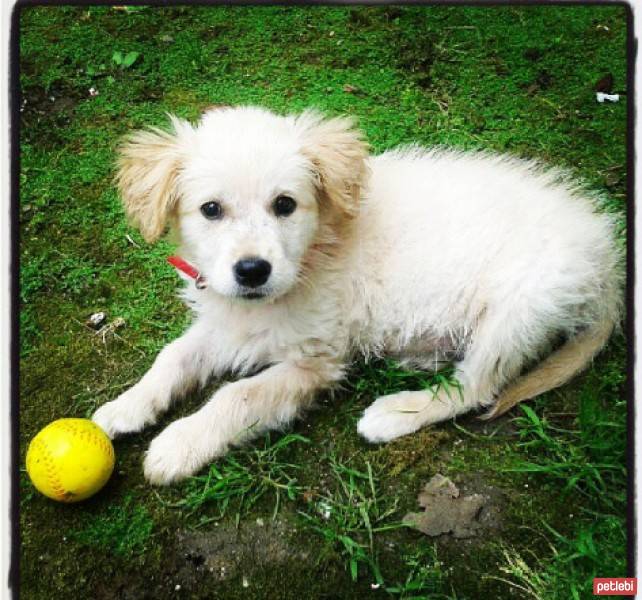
{"type": "Point", "coordinates": [384, 376]}
{"type": "Point", "coordinates": [242, 478]}
{"type": "Point", "coordinates": [508, 79]}
{"type": "Point", "coordinates": [350, 514]}
{"type": "Point", "coordinates": [123, 529]}
{"type": "Point", "coordinates": [424, 577]}
{"type": "Point", "coordinates": [573, 562]}
{"type": "Point", "coordinates": [586, 458]}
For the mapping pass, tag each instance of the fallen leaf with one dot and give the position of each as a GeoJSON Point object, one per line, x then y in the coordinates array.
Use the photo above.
{"type": "Point", "coordinates": [445, 511]}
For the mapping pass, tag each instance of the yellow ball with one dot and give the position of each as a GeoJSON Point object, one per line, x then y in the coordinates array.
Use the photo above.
{"type": "Point", "coordinates": [70, 460]}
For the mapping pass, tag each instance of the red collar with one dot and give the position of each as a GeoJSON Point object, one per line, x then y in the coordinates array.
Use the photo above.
{"type": "Point", "coordinates": [189, 270]}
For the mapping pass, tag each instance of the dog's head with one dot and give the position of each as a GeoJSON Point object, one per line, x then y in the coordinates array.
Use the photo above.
{"type": "Point", "coordinates": [249, 193]}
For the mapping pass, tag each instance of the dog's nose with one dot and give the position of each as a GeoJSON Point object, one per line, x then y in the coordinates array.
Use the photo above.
{"type": "Point", "coordinates": [252, 272]}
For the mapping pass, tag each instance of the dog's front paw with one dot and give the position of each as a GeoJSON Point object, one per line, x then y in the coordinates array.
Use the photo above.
{"type": "Point", "coordinates": [178, 452]}
{"type": "Point", "coordinates": [127, 414]}
{"type": "Point", "coordinates": [390, 417]}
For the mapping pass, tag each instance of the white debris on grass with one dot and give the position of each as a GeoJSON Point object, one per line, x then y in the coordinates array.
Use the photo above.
{"type": "Point", "coordinates": [96, 320]}
{"type": "Point", "coordinates": [324, 509]}
{"type": "Point", "coordinates": [601, 97]}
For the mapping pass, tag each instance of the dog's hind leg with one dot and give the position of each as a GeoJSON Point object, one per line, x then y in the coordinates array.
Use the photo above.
{"type": "Point", "coordinates": [496, 353]}
{"type": "Point", "coordinates": [557, 369]}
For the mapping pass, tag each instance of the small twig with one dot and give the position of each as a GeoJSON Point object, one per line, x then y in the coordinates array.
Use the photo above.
{"type": "Point", "coordinates": [107, 387]}
{"type": "Point", "coordinates": [113, 332]}
{"type": "Point", "coordinates": [131, 241]}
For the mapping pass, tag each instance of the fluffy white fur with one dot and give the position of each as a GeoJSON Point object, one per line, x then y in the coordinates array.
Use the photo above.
{"type": "Point", "coordinates": [424, 255]}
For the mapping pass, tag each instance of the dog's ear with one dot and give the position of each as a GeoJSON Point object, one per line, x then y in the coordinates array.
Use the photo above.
{"type": "Point", "coordinates": [338, 154]}
{"type": "Point", "coordinates": [149, 162]}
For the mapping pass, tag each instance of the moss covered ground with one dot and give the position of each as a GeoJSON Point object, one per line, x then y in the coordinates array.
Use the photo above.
{"type": "Point", "coordinates": [313, 513]}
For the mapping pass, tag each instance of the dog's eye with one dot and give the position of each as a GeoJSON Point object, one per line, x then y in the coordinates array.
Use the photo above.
{"type": "Point", "coordinates": [212, 210]}
{"type": "Point", "coordinates": [284, 206]}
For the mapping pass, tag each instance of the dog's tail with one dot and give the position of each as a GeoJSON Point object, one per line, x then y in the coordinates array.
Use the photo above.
{"type": "Point", "coordinates": [555, 370]}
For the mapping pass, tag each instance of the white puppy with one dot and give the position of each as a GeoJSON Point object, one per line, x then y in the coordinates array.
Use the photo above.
{"type": "Point", "coordinates": [312, 251]}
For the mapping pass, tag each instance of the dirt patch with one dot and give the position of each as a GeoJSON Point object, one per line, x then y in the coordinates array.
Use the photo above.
{"type": "Point", "coordinates": [225, 551]}
{"type": "Point", "coordinates": [45, 111]}
{"type": "Point", "coordinates": [416, 55]}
